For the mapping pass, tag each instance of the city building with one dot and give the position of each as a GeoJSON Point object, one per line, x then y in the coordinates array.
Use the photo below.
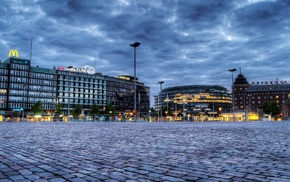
{"type": "Point", "coordinates": [120, 92]}
{"type": "Point", "coordinates": [194, 102]}
{"type": "Point", "coordinates": [249, 97]}
{"type": "Point", "coordinates": [22, 85]}
{"type": "Point", "coordinates": [80, 86]}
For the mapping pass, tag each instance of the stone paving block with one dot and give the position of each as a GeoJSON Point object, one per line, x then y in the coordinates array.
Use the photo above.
{"type": "Point", "coordinates": [41, 180]}
{"type": "Point", "coordinates": [111, 180]}
{"type": "Point", "coordinates": [4, 180]}
{"type": "Point", "coordinates": [239, 179]}
{"type": "Point", "coordinates": [100, 177]}
{"type": "Point", "coordinates": [31, 177]}
{"type": "Point", "coordinates": [45, 175]}
{"type": "Point", "coordinates": [142, 171]}
{"type": "Point", "coordinates": [36, 170]}
{"type": "Point", "coordinates": [17, 177]}
{"type": "Point", "coordinates": [170, 178]}
{"type": "Point", "coordinates": [24, 172]}
{"type": "Point", "coordinates": [12, 173]}
{"type": "Point", "coordinates": [278, 179]}
{"type": "Point", "coordinates": [57, 180]}
{"type": "Point", "coordinates": [77, 180]}
{"type": "Point", "coordinates": [218, 151]}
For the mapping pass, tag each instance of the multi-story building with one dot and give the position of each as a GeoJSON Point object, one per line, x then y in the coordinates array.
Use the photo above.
{"type": "Point", "coordinates": [194, 102]}
{"type": "Point", "coordinates": [249, 97]}
{"type": "Point", "coordinates": [23, 85]}
{"type": "Point", "coordinates": [120, 92]}
{"type": "Point", "coordinates": [80, 86]}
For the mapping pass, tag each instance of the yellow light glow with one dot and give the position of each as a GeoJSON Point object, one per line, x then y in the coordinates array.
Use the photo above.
{"type": "Point", "coordinates": [13, 53]}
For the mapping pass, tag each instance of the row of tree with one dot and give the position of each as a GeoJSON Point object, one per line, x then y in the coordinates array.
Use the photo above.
{"type": "Point", "coordinates": [268, 108]}
{"type": "Point", "coordinates": [37, 109]}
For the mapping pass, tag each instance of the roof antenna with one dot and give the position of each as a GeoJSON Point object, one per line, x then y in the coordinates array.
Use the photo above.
{"type": "Point", "coordinates": [31, 48]}
{"type": "Point", "coordinates": [240, 70]}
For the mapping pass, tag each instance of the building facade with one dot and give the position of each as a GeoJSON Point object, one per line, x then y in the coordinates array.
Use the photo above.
{"type": "Point", "coordinates": [22, 85]}
{"type": "Point", "coordinates": [80, 88]}
{"type": "Point", "coordinates": [249, 97]}
{"type": "Point", "coordinates": [194, 102]}
{"type": "Point", "coordinates": [120, 92]}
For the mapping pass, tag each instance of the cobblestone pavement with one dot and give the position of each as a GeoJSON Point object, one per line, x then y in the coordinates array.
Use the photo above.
{"type": "Point", "coordinates": [141, 151]}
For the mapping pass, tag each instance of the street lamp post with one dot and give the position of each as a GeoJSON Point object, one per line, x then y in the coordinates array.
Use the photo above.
{"type": "Point", "coordinates": [212, 98]}
{"type": "Point", "coordinates": [161, 82]}
{"type": "Point", "coordinates": [25, 100]}
{"type": "Point", "coordinates": [233, 91]}
{"type": "Point", "coordinates": [68, 99]}
{"type": "Point", "coordinates": [136, 44]}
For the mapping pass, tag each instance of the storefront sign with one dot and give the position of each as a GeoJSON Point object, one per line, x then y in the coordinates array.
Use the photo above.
{"type": "Point", "coordinates": [269, 83]}
{"type": "Point", "coordinates": [13, 53]}
{"type": "Point", "coordinates": [17, 109]}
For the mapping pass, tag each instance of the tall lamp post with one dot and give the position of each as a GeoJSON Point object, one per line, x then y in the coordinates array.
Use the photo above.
{"type": "Point", "coordinates": [233, 91]}
{"type": "Point", "coordinates": [136, 44]}
{"type": "Point", "coordinates": [25, 100]}
{"type": "Point", "coordinates": [68, 99]}
{"type": "Point", "coordinates": [161, 99]}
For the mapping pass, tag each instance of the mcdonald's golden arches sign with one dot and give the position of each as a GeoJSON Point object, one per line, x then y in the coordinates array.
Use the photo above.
{"type": "Point", "coordinates": [13, 53]}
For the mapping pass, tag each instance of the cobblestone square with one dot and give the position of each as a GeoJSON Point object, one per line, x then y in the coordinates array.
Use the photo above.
{"type": "Point", "coordinates": [141, 151]}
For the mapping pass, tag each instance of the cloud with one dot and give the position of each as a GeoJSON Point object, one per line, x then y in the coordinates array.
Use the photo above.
{"type": "Point", "coordinates": [182, 42]}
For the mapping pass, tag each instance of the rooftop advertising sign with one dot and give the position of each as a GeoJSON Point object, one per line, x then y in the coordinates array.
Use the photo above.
{"type": "Point", "coordinates": [269, 83]}
{"type": "Point", "coordinates": [85, 69]}
{"type": "Point", "coordinates": [13, 53]}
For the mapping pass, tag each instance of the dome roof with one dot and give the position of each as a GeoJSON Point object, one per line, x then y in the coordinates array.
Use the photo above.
{"type": "Point", "coordinates": [195, 88]}
{"type": "Point", "coordinates": [241, 79]}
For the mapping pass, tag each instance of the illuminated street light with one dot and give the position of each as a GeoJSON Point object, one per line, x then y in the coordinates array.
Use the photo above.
{"type": "Point", "coordinates": [136, 44]}
{"type": "Point", "coordinates": [233, 91]}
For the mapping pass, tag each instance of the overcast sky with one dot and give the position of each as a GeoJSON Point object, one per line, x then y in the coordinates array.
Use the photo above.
{"type": "Point", "coordinates": [183, 42]}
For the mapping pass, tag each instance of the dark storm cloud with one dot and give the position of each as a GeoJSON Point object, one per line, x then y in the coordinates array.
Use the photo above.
{"type": "Point", "coordinates": [182, 42]}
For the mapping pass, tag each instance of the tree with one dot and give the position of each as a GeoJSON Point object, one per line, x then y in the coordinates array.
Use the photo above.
{"type": "Point", "coordinates": [165, 112]}
{"type": "Point", "coordinates": [110, 109]}
{"type": "Point", "coordinates": [58, 109]}
{"type": "Point", "coordinates": [275, 109]}
{"type": "Point", "coordinates": [271, 108]}
{"type": "Point", "coordinates": [153, 112]}
{"type": "Point", "coordinates": [37, 108]}
{"type": "Point", "coordinates": [95, 109]}
{"type": "Point", "coordinates": [266, 107]}
{"type": "Point", "coordinates": [77, 111]}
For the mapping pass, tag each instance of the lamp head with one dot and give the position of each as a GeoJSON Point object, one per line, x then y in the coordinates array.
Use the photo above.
{"type": "Point", "coordinates": [136, 44]}
{"type": "Point", "coordinates": [232, 70]}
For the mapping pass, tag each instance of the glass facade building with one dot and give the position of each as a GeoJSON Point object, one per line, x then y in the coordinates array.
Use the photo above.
{"type": "Point", "coordinates": [120, 92]}
{"type": "Point", "coordinates": [22, 85]}
{"type": "Point", "coordinates": [194, 100]}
